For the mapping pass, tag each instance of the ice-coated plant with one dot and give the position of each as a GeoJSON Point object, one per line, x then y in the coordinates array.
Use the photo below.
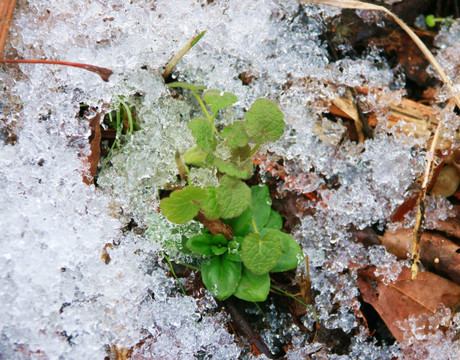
{"type": "Point", "coordinates": [243, 241]}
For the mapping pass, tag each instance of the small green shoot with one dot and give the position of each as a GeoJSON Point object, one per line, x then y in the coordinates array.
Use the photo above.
{"type": "Point", "coordinates": [431, 21]}
{"type": "Point", "coordinates": [241, 265]}
{"type": "Point", "coordinates": [180, 54]}
{"type": "Point", "coordinates": [122, 120]}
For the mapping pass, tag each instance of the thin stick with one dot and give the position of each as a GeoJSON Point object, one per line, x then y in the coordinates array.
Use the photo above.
{"type": "Point", "coordinates": [104, 73]}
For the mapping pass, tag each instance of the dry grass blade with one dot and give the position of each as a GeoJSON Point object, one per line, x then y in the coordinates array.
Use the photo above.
{"type": "Point", "coordinates": [358, 5]}
{"type": "Point", "coordinates": [179, 55]}
{"type": "Point", "coordinates": [6, 13]}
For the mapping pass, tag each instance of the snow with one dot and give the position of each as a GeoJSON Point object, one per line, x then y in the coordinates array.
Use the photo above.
{"type": "Point", "coordinates": [59, 298]}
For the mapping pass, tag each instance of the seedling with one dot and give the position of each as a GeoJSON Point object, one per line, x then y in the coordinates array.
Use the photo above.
{"type": "Point", "coordinates": [238, 264]}
{"type": "Point", "coordinates": [122, 120]}
{"type": "Point", "coordinates": [431, 21]}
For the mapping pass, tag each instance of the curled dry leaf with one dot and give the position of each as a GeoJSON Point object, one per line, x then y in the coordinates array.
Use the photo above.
{"type": "Point", "coordinates": [95, 147]}
{"type": "Point", "coordinates": [405, 297]}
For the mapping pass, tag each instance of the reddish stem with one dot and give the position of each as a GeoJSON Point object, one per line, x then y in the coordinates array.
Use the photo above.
{"type": "Point", "coordinates": [104, 73]}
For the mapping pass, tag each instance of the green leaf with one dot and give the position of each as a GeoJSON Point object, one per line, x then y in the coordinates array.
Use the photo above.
{"type": "Point", "coordinates": [183, 205]}
{"type": "Point", "coordinates": [195, 157]}
{"type": "Point", "coordinates": [274, 221]}
{"type": "Point", "coordinates": [203, 134]}
{"type": "Point", "coordinates": [264, 121]}
{"type": "Point", "coordinates": [207, 244]}
{"type": "Point", "coordinates": [234, 249]}
{"type": "Point", "coordinates": [233, 196]}
{"type": "Point", "coordinates": [239, 165]}
{"type": "Point", "coordinates": [197, 38]}
{"type": "Point", "coordinates": [218, 101]}
{"type": "Point", "coordinates": [210, 206]}
{"type": "Point", "coordinates": [236, 134]}
{"type": "Point", "coordinates": [290, 253]}
{"type": "Point", "coordinates": [184, 85]}
{"type": "Point", "coordinates": [261, 205]}
{"type": "Point", "coordinates": [241, 224]}
{"type": "Point", "coordinates": [253, 287]}
{"type": "Point", "coordinates": [221, 276]}
{"type": "Point", "coordinates": [260, 254]}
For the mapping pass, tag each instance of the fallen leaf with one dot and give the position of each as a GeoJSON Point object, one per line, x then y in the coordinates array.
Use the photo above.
{"type": "Point", "coordinates": [95, 147]}
{"type": "Point", "coordinates": [436, 252]}
{"type": "Point", "coordinates": [405, 297]}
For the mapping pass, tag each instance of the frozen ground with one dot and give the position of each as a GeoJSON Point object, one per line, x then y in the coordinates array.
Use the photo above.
{"type": "Point", "coordinates": [59, 299]}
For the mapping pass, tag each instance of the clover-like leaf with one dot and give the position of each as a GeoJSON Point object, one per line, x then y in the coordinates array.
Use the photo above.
{"type": "Point", "coordinates": [210, 206]}
{"type": "Point", "coordinates": [260, 254]}
{"type": "Point", "coordinates": [290, 253]}
{"type": "Point", "coordinates": [264, 121]}
{"type": "Point", "coordinates": [236, 134]}
{"type": "Point", "coordinates": [233, 196]}
{"type": "Point", "coordinates": [203, 134]}
{"type": "Point", "coordinates": [253, 287]}
{"type": "Point", "coordinates": [216, 100]}
{"type": "Point", "coordinates": [221, 276]}
{"type": "Point", "coordinates": [183, 205]}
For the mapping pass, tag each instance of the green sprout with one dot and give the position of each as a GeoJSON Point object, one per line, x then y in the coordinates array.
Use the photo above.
{"type": "Point", "coordinates": [238, 264]}
{"type": "Point", "coordinates": [122, 120]}
{"type": "Point", "coordinates": [431, 21]}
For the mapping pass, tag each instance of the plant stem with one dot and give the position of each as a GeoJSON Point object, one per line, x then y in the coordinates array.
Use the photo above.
{"type": "Point", "coordinates": [189, 266]}
{"type": "Point", "coordinates": [206, 113]}
{"type": "Point", "coordinates": [104, 73]}
{"type": "Point", "coordinates": [309, 307]}
{"type": "Point", "coordinates": [173, 272]}
{"type": "Point", "coordinates": [254, 225]}
{"type": "Point", "coordinates": [254, 149]}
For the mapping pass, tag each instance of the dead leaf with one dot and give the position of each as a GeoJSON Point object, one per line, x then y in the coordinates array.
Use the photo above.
{"type": "Point", "coordinates": [95, 147]}
{"type": "Point", "coordinates": [405, 297]}
{"type": "Point", "coordinates": [437, 251]}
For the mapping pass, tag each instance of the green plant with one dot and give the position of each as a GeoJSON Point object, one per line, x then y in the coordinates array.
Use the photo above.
{"type": "Point", "coordinates": [237, 261]}
{"type": "Point", "coordinates": [431, 21]}
{"type": "Point", "coordinates": [122, 120]}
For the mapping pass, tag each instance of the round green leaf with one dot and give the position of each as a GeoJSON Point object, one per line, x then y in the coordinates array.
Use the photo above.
{"type": "Point", "coordinates": [233, 196]}
{"type": "Point", "coordinates": [203, 134]}
{"type": "Point", "coordinates": [183, 205]}
{"type": "Point", "coordinates": [274, 221]}
{"type": "Point", "coordinates": [264, 121]}
{"type": "Point", "coordinates": [290, 253]}
{"type": "Point", "coordinates": [260, 254]}
{"type": "Point", "coordinates": [216, 100]}
{"type": "Point", "coordinates": [253, 287]}
{"type": "Point", "coordinates": [221, 276]}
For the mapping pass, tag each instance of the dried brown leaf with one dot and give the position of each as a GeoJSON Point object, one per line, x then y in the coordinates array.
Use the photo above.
{"type": "Point", "coordinates": [406, 297]}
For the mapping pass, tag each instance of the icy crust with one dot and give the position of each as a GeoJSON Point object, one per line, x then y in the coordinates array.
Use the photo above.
{"type": "Point", "coordinates": [60, 299]}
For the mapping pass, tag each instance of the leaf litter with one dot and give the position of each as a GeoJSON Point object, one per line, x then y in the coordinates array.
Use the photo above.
{"type": "Point", "coordinates": [355, 185]}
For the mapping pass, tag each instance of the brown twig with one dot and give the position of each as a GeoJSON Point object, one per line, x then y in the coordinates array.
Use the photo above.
{"type": "Point", "coordinates": [6, 14]}
{"type": "Point", "coordinates": [104, 73]}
